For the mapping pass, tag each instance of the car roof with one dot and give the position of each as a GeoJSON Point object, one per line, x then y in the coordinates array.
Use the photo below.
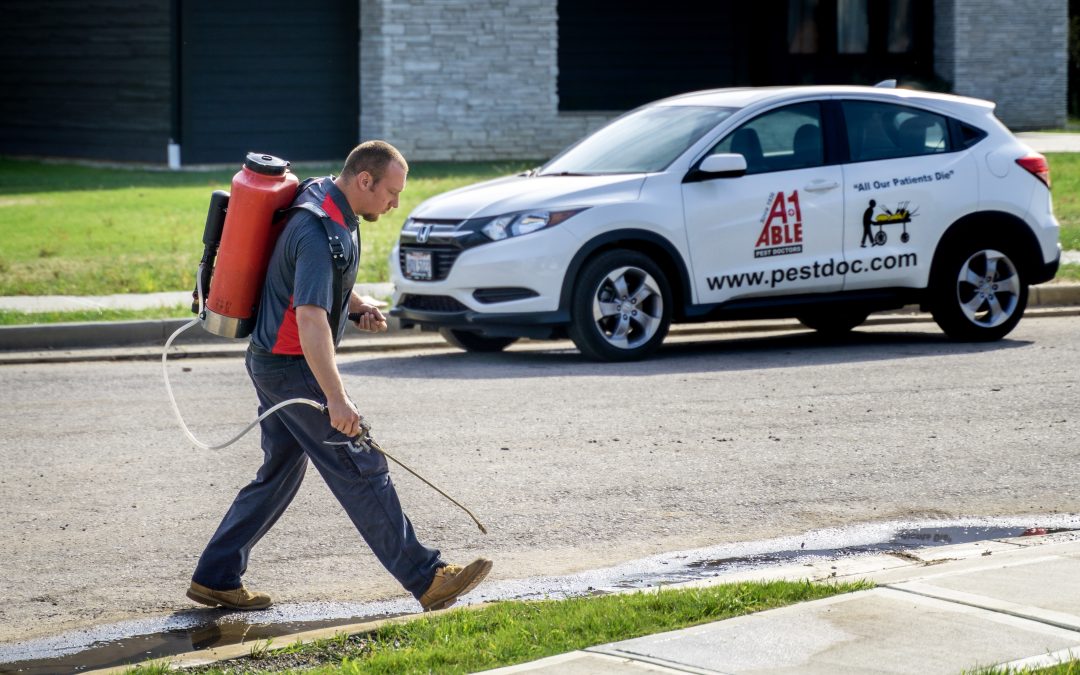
{"type": "Point", "coordinates": [741, 97]}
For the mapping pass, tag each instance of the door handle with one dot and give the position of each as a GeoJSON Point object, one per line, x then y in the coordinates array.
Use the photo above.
{"type": "Point", "coordinates": [821, 186]}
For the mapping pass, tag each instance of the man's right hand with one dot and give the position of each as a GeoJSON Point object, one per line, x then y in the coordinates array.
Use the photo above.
{"type": "Point", "coordinates": [344, 416]}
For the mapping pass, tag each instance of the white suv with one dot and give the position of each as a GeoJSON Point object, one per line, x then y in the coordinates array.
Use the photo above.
{"type": "Point", "coordinates": [820, 203]}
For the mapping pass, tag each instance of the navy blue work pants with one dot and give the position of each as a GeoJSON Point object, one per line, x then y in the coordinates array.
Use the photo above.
{"type": "Point", "coordinates": [360, 481]}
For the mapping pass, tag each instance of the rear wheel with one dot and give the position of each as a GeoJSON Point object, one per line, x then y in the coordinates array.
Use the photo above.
{"type": "Point", "coordinates": [475, 342]}
{"type": "Point", "coordinates": [832, 322]}
{"type": "Point", "coordinates": [621, 307]}
{"type": "Point", "coordinates": [979, 293]}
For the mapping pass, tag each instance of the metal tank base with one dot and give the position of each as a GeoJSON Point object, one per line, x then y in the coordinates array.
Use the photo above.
{"type": "Point", "coordinates": [227, 326]}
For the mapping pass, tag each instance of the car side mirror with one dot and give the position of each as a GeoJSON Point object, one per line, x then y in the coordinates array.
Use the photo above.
{"type": "Point", "coordinates": [722, 165]}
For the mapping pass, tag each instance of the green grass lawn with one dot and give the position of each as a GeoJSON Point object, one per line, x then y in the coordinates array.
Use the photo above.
{"type": "Point", "coordinates": [506, 633]}
{"type": "Point", "coordinates": [13, 318]}
{"type": "Point", "coordinates": [76, 230]}
{"type": "Point", "coordinates": [1065, 176]}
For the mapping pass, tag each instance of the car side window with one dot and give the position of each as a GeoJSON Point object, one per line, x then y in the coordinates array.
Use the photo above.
{"type": "Point", "coordinates": [885, 131]}
{"type": "Point", "coordinates": [779, 140]}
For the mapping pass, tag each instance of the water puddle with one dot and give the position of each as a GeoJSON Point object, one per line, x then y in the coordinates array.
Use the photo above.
{"type": "Point", "coordinates": [139, 648]}
{"type": "Point", "coordinates": [188, 631]}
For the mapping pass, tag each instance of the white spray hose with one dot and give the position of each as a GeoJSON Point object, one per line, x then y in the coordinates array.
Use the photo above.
{"type": "Point", "coordinates": [364, 438]}
{"type": "Point", "coordinates": [172, 399]}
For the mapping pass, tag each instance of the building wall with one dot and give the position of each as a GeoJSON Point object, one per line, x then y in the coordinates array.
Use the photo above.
{"type": "Point", "coordinates": [464, 79]}
{"type": "Point", "coordinates": [89, 79]}
{"type": "Point", "coordinates": [1013, 52]}
{"type": "Point", "coordinates": [271, 76]}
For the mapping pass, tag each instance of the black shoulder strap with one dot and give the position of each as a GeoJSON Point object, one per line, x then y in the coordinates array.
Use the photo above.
{"type": "Point", "coordinates": [337, 251]}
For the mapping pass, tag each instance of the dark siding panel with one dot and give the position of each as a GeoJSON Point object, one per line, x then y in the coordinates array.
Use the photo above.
{"type": "Point", "coordinates": [617, 54]}
{"type": "Point", "coordinates": [85, 79]}
{"type": "Point", "coordinates": [276, 76]}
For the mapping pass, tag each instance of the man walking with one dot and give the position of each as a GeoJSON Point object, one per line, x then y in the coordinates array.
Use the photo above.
{"type": "Point", "coordinates": [292, 356]}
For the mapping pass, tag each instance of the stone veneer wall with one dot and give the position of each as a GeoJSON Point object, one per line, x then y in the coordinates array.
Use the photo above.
{"type": "Point", "coordinates": [1013, 52]}
{"type": "Point", "coordinates": [464, 79]}
{"type": "Point", "coordinates": [476, 79]}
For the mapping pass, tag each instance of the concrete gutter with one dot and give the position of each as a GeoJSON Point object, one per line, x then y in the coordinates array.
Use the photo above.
{"type": "Point", "coordinates": [208, 346]}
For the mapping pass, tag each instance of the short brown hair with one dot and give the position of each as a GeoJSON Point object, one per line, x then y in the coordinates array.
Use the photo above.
{"type": "Point", "coordinates": [373, 157]}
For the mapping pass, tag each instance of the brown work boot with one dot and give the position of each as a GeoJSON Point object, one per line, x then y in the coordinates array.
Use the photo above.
{"type": "Point", "coordinates": [237, 598]}
{"type": "Point", "coordinates": [453, 581]}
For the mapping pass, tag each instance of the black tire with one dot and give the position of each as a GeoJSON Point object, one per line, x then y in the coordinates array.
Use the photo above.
{"type": "Point", "coordinates": [979, 292]}
{"type": "Point", "coordinates": [833, 321]}
{"type": "Point", "coordinates": [606, 327]}
{"type": "Point", "coordinates": [475, 342]}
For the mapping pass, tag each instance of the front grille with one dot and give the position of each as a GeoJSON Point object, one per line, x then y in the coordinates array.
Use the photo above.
{"type": "Point", "coordinates": [431, 303]}
{"type": "Point", "coordinates": [442, 259]}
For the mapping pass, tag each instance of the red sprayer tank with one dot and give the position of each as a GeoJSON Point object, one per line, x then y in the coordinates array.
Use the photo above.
{"type": "Point", "coordinates": [263, 186]}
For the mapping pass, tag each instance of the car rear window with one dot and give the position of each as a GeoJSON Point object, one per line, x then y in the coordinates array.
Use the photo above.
{"type": "Point", "coordinates": [968, 135]}
{"type": "Point", "coordinates": [886, 131]}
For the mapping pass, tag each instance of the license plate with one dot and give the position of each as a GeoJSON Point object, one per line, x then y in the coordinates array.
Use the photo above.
{"type": "Point", "coordinates": [418, 264]}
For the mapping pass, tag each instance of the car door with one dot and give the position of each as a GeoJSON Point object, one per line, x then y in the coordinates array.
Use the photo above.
{"type": "Point", "coordinates": [776, 230]}
{"type": "Point", "coordinates": [903, 185]}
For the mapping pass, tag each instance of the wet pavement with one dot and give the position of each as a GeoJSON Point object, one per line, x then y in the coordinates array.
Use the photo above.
{"type": "Point", "coordinates": [202, 629]}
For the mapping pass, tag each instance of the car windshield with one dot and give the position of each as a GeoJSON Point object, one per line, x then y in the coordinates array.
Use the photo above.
{"type": "Point", "coordinates": [642, 141]}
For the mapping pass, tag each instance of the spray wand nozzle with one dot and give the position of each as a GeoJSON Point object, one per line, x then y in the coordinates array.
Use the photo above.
{"type": "Point", "coordinates": [367, 443]}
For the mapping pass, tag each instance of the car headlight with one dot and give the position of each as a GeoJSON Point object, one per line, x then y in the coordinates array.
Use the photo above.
{"type": "Point", "coordinates": [524, 222]}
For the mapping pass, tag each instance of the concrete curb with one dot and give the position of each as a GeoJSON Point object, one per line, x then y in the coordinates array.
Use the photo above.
{"type": "Point", "coordinates": [97, 334]}
{"type": "Point", "coordinates": [887, 569]}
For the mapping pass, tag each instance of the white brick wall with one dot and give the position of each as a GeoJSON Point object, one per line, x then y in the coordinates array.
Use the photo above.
{"type": "Point", "coordinates": [464, 79]}
{"type": "Point", "coordinates": [1013, 52]}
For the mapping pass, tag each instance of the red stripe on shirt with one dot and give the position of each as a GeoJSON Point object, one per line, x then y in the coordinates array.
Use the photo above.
{"type": "Point", "coordinates": [333, 211]}
{"type": "Point", "coordinates": [288, 333]}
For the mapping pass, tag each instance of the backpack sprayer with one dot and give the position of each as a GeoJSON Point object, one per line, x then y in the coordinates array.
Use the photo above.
{"type": "Point", "coordinates": [241, 230]}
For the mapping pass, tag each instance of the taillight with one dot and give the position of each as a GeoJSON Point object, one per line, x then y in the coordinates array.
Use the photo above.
{"type": "Point", "coordinates": [1036, 165]}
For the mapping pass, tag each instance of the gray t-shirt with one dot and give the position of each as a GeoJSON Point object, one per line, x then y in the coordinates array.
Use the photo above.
{"type": "Point", "coordinates": [301, 270]}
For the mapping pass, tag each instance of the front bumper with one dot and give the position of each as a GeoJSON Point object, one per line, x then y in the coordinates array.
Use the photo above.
{"type": "Point", "coordinates": [539, 325]}
{"type": "Point", "coordinates": [502, 289]}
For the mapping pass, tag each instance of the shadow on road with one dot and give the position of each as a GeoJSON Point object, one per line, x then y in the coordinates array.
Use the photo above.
{"type": "Point", "coordinates": [706, 354]}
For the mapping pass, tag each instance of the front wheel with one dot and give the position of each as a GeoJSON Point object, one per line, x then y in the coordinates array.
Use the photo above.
{"type": "Point", "coordinates": [621, 307]}
{"type": "Point", "coordinates": [475, 342]}
{"type": "Point", "coordinates": [979, 294]}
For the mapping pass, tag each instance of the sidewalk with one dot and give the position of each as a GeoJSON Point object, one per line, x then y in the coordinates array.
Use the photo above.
{"type": "Point", "coordinates": [1043, 141]}
{"type": "Point", "coordinates": [1011, 602]}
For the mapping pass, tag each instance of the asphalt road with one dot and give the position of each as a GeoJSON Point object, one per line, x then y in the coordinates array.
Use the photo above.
{"type": "Point", "coordinates": [571, 465]}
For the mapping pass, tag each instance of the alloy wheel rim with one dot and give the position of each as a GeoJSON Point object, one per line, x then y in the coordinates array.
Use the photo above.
{"type": "Point", "coordinates": [988, 288]}
{"type": "Point", "coordinates": [628, 307]}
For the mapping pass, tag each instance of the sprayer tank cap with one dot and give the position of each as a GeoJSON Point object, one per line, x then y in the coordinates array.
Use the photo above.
{"type": "Point", "coordinates": [268, 165]}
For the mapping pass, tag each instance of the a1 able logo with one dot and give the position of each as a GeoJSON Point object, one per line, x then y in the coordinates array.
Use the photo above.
{"type": "Point", "coordinates": [781, 231]}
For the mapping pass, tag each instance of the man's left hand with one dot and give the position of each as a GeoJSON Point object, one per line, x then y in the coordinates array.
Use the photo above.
{"type": "Point", "coordinates": [371, 319]}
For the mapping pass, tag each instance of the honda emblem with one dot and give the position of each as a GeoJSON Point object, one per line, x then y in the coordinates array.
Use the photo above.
{"type": "Point", "coordinates": [422, 234]}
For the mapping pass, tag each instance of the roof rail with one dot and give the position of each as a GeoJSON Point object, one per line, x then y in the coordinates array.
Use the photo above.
{"type": "Point", "coordinates": [886, 84]}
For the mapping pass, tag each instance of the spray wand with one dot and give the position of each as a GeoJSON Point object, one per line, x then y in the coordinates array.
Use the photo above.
{"type": "Point", "coordinates": [364, 441]}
